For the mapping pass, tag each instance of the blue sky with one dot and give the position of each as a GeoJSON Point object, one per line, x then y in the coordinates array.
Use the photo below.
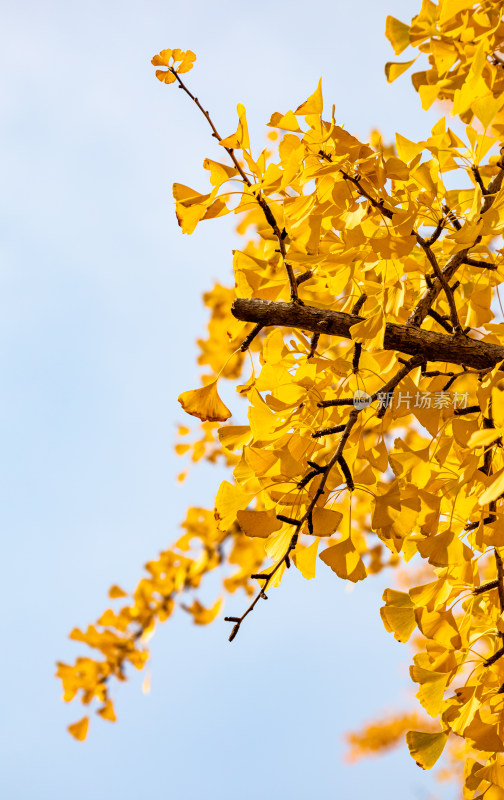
{"type": "Point", "coordinates": [100, 296]}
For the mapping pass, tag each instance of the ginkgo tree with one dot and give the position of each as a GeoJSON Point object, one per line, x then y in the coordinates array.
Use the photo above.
{"type": "Point", "coordinates": [364, 331]}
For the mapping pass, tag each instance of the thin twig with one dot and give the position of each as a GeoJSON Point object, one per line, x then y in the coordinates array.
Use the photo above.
{"type": "Point", "coordinates": [437, 233]}
{"type": "Point", "coordinates": [439, 319]}
{"type": "Point", "coordinates": [457, 328]}
{"type": "Point", "coordinates": [477, 177]}
{"type": "Point", "coordinates": [474, 262]}
{"type": "Point", "coordinates": [270, 218]}
{"type": "Point", "coordinates": [358, 306]}
{"type": "Point", "coordinates": [250, 337]}
{"type": "Point", "coordinates": [313, 345]}
{"type": "Point", "coordinates": [378, 204]}
{"type": "Point", "coordinates": [500, 578]}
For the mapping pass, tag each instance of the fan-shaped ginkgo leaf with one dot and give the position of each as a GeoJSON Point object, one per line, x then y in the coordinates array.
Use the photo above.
{"type": "Point", "coordinates": [205, 404]}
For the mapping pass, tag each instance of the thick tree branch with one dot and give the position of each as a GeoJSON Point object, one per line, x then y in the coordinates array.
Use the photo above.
{"type": "Point", "coordinates": [408, 339]}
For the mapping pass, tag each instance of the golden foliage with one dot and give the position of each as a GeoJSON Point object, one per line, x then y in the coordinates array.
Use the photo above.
{"type": "Point", "coordinates": [377, 428]}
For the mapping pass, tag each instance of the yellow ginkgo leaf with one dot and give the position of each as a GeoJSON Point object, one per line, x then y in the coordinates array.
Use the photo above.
{"type": "Point", "coordinates": [393, 69]}
{"type": "Point", "coordinates": [233, 436]}
{"type": "Point", "coordinates": [116, 591]}
{"type": "Point", "coordinates": [258, 523]}
{"type": "Point", "coordinates": [79, 729]}
{"type": "Point", "coordinates": [162, 59]}
{"type": "Point", "coordinates": [306, 559]}
{"type": "Point", "coordinates": [219, 173]}
{"type": "Point", "coordinates": [229, 500]}
{"type": "Point", "coordinates": [277, 544]}
{"type": "Point", "coordinates": [187, 61]}
{"type": "Point", "coordinates": [314, 104]}
{"type": "Point", "coordinates": [325, 521]}
{"type": "Point", "coordinates": [345, 561]}
{"type": "Point", "coordinates": [493, 772]}
{"type": "Point", "coordinates": [484, 437]}
{"type": "Point", "coordinates": [426, 748]}
{"type": "Point", "coordinates": [205, 404]}
{"type": "Point", "coordinates": [107, 711]}
{"type": "Point", "coordinates": [165, 76]}
{"type": "Point", "coordinates": [398, 34]}
{"type": "Point", "coordinates": [449, 8]}
{"type": "Point", "coordinates": [493, 491]}
{"type": "Point", "coordinates": [286, 122]}
{"type": "Point", "coordinates": [406, 149]}
{"type": "Point", "coordinates": [240, 139]}
{"type": "Point", "coordinates": [432, 688]}
{"type": "Point", "coordinates": [202, 615]}
{"type": "Point", "coordinates": [398, 615]}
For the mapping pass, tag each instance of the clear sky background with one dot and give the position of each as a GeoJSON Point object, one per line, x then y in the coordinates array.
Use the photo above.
{"type": "Point", "coordinates": [100, 309]}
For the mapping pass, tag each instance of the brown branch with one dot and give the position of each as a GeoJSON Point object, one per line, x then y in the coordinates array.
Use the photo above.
{"type": "Point", "coordinates": [358, 306]}
{"type": "Point", "coordinates": [378, 204]}
{"type": "Point", "coordinates": [477, 177]}
{"type": "Point", "coordinates": [251, 336]}
{"type": "Point", "coordinates": [494, 658]}
{"type": "Point", "coordinates": [346, 472]}
{"type": "Point", "coordinates": [313, 345]}
{"type": "Point", "coordinates": [486, 587]}
{"type": "Point", "coordinates": [500, 578]}
{"type": "Point", "coordinates": [356, 357]}
{"type": "Point", "coordinates": [328, 431]}
{"type": "Point", "coordinates": [397, 378]}
{"type": "Point", "coordinates": [437, 233]}
{"type": "Point", "coordinates": [432, 346]}
{"type": "Point", "coordinates": [474, 262]}
{"type": "Point", "coordinates": [461, 412]}
{"type": "Point", "coordinates": [304, 277]}
{"type": "Point", "coordinates": [471, 526]}
{"type": "Point", "coordinates": [457, 328]}
{"type": "Point", "coordinates": [439, 319]}
{"type": "Point", "coordinates": [307, 517]}
{"type": "Point", "coordinates": [261, 594]}
{"type": "Point", "coordinates": [452, 218]}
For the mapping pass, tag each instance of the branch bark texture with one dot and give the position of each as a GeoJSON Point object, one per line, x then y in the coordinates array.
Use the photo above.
{"type": "Point", "coordinates": [457, 349]}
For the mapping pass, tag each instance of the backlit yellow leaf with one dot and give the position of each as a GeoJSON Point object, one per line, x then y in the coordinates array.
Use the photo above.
{"type": "Point", "coordinates": [345, 561]}
{"type": "Point", "coordinates": [484, 437]}
{"type": "Point", "coordinates": [240, 139]}
{"type": "Point", "coordinates": [393, 69]}
{"type": "Point", "coordinates": [79, 729]}
{"type": "Point", "coordinates": [230, 498]}
{"type": "Point", "coordinates": [205, 404]}
{"type": "Point", "coordinates": [398, 615]}
{"type": "Point", "coordinates": [493, 491]}
{"type": "Point", "coordinates": [449, 8]}
{"type": "Point", "coordinates": [326, 521]}
{"type": "Point", "coordinates": [398, 34]}
{"type": "Point", "coordinates": [107, 711]}
{"type": "Point", "coordinates": [116, 591]}
{"type": "Point", "coordinates": [286, 122]}
{"type": "Point", "coordinates": [426, 748]}
{"type": "Point", "coordinates": [432, 688]}
{"type": "Point", "coordinates": [234, 436]}
{"type": "Point", "coordinates": [305, 559]}
{"type": "Point", "coordinates": [202, 615]}
{"type": "Point", "coordinates": [314, 104]}
{"type": "Point", "coordinates": [258, 523]}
